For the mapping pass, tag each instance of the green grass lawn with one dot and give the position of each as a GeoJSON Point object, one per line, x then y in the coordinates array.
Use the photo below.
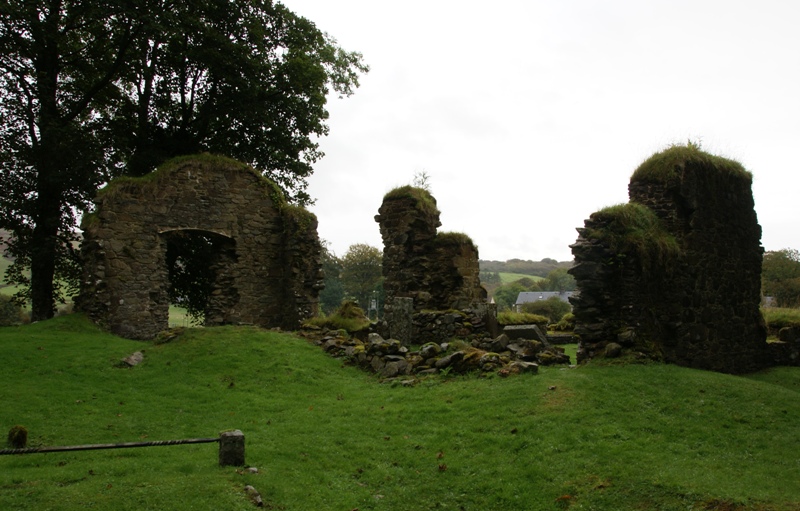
{"type": "Point", "coordinates": [330, 437]}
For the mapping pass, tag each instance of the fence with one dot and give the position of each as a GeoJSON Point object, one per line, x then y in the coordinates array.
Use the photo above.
{"type": "Point", "coordinates": [231, 447]}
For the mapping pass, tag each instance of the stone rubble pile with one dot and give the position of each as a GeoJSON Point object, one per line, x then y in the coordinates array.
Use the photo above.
{"type": "Point", "coordinates": [389, 358]}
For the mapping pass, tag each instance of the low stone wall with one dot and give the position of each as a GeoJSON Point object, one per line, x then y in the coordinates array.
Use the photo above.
{"type": "Point", "coordinates": [786, 350]}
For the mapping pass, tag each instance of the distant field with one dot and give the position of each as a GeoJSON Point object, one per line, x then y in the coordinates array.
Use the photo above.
{"type": "Point", "coordinates": [505, 278]}
{"type": "Point", "coordinates": [4, 288]}
{"type": "Point", "coordinates": [178, 317]}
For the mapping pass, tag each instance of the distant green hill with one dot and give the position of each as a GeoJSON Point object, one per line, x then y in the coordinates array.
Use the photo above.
{"type": "Point", "coordinates": [505, 277]}
{"type": "Point", "coordinates": [537, 268]}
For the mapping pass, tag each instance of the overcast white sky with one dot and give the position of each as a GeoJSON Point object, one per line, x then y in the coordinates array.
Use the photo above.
{"type": "Point", "coordinates": [529, 115]}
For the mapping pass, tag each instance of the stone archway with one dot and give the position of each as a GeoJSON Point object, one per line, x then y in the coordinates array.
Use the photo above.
{"type": "Point", "coordinates": [267, 271]}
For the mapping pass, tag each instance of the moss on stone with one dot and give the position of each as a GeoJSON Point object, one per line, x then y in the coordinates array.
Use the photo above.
{"type": "Point", "coordinates": [301, 217]}
{"type": "Point", "coordinates": [424, 201]}
{"type": "Point", "coordinates": [154, 179]}
{"type": "Point", "coordinates": [666, 165]}
{"type": "Point", "coordinates": [89, 220]}
{"type": "Point", "coordinates": [634, 228]}
{"type": "Point", "coordinates": [454, 239]}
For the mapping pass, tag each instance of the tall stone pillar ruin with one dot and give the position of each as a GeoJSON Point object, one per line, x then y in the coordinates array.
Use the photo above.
{"type": "Point", "coordinates": [438, 271]}
{"type": "Point", "coordinates": [675, 274]}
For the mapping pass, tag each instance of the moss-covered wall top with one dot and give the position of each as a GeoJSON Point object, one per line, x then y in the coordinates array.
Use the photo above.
{"type": "Point", "coordinates": [269, 273]}
{"type": "Point", "coordinates": [675, 273]}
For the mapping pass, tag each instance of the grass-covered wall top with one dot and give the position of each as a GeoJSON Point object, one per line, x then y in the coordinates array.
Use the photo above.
{"type": "Point", "coordinates": [155, 178]}
{"type": "Point", "coordinates": [634, 228]}
{"type": "Point", "coordinates": [664, 166]}
{"type": "Point", "coordinates": [424, 200]}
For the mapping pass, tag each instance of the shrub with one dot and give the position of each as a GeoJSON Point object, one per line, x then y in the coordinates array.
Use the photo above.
{"type": "Point", "coordinates": [521, 318]}
{"type": "Point", "coordinates": [18, 437]}
{"type": "Point", "coordinates": [349, 317]}
{"type": "Point", "coordinates": [553, 308]}
{"type": "Point", "coordinates": [566, 324]}
{"type": "Point", "coordinates": [10, 313]}
{"type": "Point", "coordinates": [777, 318]}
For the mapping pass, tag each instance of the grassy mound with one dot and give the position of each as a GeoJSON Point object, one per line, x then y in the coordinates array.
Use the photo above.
{"type": "Point", "coordinates": [330, 437]}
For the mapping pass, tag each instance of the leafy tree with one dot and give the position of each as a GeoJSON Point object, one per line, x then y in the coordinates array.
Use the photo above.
{"type": "Point", "coordinates": [10, 312]}
{"type": "Point", "coordinates": [330, 298]}
{"type": "Point", "coordinates": [559, 280]}
{"type": "Point", "coordinates": [506, 295]}
{"type": "Point", "coordinates": [362, 273]}
{"type": "Point", "coordinates": [553, 308]}
{"type": "Point", "coordinates": [91, 89]}
{"type": "Point", "coordinates": [193, 261]}
{"type": "Point", "coordinates": [780, 276]}
{"type": "Point", "coordinates": [58, 59]}
{"type": "Point", "coordinates": [244, 78]}
{"type": "Point", "coordinates": [488, 277]}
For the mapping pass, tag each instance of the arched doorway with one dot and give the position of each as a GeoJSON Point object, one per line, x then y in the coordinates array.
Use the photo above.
{"type": "Point", "coordinates": [199, 266]}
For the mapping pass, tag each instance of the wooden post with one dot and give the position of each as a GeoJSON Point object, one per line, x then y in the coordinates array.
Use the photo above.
{"type": "Point", "coordinates": [231, 448]}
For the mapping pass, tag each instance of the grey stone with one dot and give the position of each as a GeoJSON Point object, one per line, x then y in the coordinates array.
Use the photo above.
{"type": "Point", "coordinates": [612, 350]}
{"type": "Point", "coordinates": [523, 367]}
{"type": "Point", "coordinates": [449, 360]}
{"type": "Point", "coordinates": [532, 332]}
{"type": "Point", "coordinates": [133, 359]}
{"type": "Point", "coordinates": [231, 448]}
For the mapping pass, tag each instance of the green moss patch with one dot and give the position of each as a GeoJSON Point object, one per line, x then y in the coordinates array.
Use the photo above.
{"type": "Point", "coordinates": [127, 184]}
{"type": "Point", "coordinates": [634, 228]}
{"type": "Point", "coordinates": [521, 318]}
{"type": "Point", "coordinates": [454, 239]}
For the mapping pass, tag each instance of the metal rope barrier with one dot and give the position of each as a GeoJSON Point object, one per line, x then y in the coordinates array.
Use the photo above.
{"type": "Point", "coordinates": [123, 445]}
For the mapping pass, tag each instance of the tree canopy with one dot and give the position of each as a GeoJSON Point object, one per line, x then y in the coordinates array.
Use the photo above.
{"type": "Point", "coordinates": [90, 90]}
{"type": "Point", "coordinates": [332, 295]}
{"type": "Point", "coordinates": [780, 276]}
{"type": "Point", "coordinates": [362, 273]}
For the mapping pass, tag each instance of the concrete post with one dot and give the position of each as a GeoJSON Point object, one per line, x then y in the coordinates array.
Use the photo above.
{"type": "Point", "coordinates": [231, 448]}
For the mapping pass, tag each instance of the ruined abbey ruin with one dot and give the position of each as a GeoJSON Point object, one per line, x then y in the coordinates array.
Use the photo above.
{"type": "Point", "coordinates": [673, 275]}
{"type": "Point", "coordinates": [265, 253]}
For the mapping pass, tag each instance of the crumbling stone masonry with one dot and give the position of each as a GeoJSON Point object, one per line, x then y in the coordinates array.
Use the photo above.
{"type": "Point", "coordinates": [675, 273]}
{"type": "Point", "coordinates": [267, 253]}
{"type": "Point", "coordinates": [438, 271]}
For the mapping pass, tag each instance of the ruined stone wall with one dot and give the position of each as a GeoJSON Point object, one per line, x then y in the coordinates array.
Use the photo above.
{"type": "Point", "coordinates": [268, 268]}
{"type": "Point", "coordinates": [438, 271]}
{"type": "Point", "coordinates": [694, 303]}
